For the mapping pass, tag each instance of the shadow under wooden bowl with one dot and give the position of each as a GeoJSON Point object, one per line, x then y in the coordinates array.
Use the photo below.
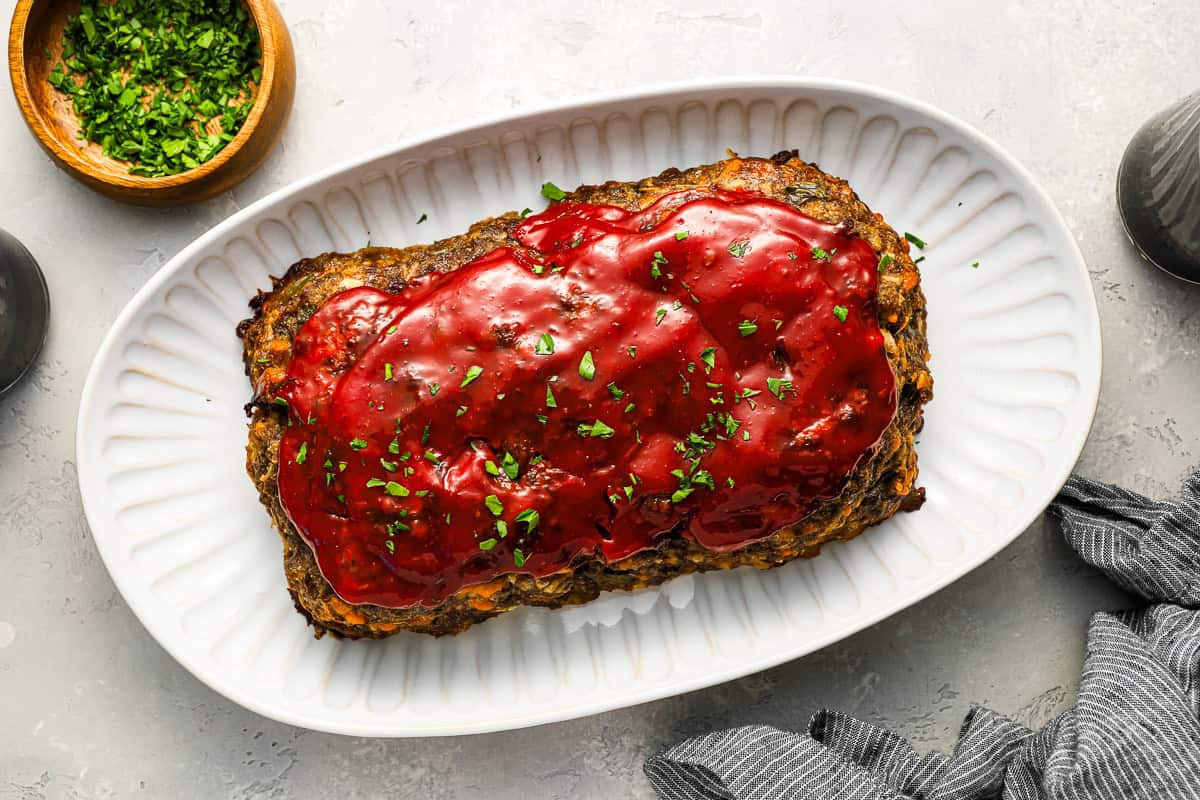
{"type": "Point", "coordinates": [34, 45]}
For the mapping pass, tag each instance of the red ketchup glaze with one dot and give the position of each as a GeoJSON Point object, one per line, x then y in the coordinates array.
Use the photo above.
{"type": "Point", "coordinates": [737, 376]}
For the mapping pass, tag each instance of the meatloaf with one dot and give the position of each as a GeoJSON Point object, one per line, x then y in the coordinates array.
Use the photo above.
{"type": "Point", "coordinates": [881, 482]}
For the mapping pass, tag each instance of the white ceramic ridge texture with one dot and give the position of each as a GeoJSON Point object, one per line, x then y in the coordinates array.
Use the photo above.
{"type": "Point", "coordinates": [161, 438]}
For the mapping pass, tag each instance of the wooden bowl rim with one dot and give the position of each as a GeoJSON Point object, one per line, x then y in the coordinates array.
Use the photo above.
{"type": "Point", "coordinates": [260, 13]}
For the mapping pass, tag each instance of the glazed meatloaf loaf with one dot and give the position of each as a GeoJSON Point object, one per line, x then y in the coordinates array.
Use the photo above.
{"type": "Point", "coordinates": [717, 367]}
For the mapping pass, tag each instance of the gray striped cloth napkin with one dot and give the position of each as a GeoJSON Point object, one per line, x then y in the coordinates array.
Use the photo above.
{"type": "Point", "coordinates": [1134, 733]}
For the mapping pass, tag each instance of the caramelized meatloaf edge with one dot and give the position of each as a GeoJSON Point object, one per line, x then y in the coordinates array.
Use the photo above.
{"type": "Point", "coordinates": [883, 483]}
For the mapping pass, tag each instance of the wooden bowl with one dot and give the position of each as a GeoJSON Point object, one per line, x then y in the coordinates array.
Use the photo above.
{"type": "Point", "coordinates": [34, 43]}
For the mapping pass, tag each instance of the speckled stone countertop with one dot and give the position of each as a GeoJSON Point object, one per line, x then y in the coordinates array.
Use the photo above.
{"type": "Point", "coordinates": [91, 706]}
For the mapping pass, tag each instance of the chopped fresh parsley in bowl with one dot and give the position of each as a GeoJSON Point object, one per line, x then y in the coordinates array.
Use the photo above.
{"type": "Point", "coordinates": [154, 102]}
{"type": "Point", "coordinates": [161, 84]}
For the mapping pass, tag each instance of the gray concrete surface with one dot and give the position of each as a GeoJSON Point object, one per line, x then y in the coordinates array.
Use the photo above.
{"type": "Point", "coordinates": [90, 706]}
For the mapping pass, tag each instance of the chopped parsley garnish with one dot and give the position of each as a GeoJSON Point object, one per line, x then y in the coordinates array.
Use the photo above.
{"type": "Point", "coordinates": [658, 316]}
{"type": "Point", "coordinates": [747, 328]}
{"type": "Point", "coordinates": [530, 518]}
{"type": "Point", "coordinates": [432, 457]}
{"type": "Point", "coordinates": [280, 401]}
{"type": "Point", "coordinates": [587, 367]}
{"type": "Point", "coordinates": [792, 255]}
{"type": "Point", "coordinates": [473, 372]}
{"type": "Point", "coordinates": [630, 407]}
{"type": "Point", "coordinates": [739, 247]}
{"type": "Point", "coordinates": [552, 192]}
{"type": "Point", "coordinates": [550, 401]}
{"type": "Point", "coordinates": [390, 466]}
{"type": "Point", "coordinates": [696, 446]}
{"type": "Point", "coordinates": [490, 468]}
{"type": "Point", "coordinates": [519, 558]}
{"type": "Point", "coordinates": [820, 255]}
{"type": "Point", "coordinates": [884, 261]}
{"type": "Point", "coordinates": [709, 356]}
{"type": "Point", "coordinates": [975, 265]}
{"type": "Point", "coordinates": [917, 240]}
{"type": "Point", "coordinates": [395, 489]}
{"type": "Point", "coordinates": [511, 466]}
{"type": "Point", "coordinates": [387, 372]}
{"type": "Point", "coordinates": [494, 505]}
{"type": "Point", "coordinates": [655, 266]}
{"type": "Point", "coordinates": [302, 453]}
{"type": "Point", "coordinates": [461, 410]}
{"type": "Point", "coordinates": [595, 430]}
{"type": "Point", "coordinates": [681, 235]}
{"type": "Point", "coordinates": [422, 218]}
{"type": "Point", "coordinates": [616, 391]}
{"type": "Point", "coordinates": [731, 425]}
{"type": "Point", "coordinates": [358, 444]}
{"type": "Point", "coordinates": [525, 212]}
{"type": "Point", "coordinates": [390, 545]}
{"type": "Point", "coordinates": [632, 351]}
{"type": "Point", "coordinates": [689, 483]}
{"type": "Point", "coordinates": [545, 345]}
{"type": "Point", "coordinates": [434, 388]}
{"type": "Point", "coordinates": [841, 312]}
{"type": "Point", "coordinates": [487, 544]}
{"type": "Point", "coordinates": [502, 528]}
{"type": "Point", "coordinates": [779, 387]}
{"type": "Point", "coordinates": [541, 418]}
{"type": "Point", "coordinates": [425, 433]}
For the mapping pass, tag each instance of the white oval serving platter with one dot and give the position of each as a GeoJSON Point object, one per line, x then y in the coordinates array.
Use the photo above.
{"type": "Point", "coordinates": [161, 432]}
